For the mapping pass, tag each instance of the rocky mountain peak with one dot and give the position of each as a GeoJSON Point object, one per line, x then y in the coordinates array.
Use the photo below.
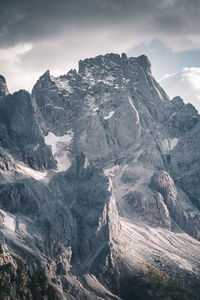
{"type": "Point", "coordinates": [101, 60]}
{"type": "Point", "coordinates": [145, 63]}
{"type": "Point", "coordinates": [44, 80]}
{"type": "Point", "coordinates": [113, 62]}
{"type": "Point", "coordinates": [3, 87]}
{"type": "Point", "coordinates": [100, 181]}
{"type": "Point", "coordinates": [178, 101]}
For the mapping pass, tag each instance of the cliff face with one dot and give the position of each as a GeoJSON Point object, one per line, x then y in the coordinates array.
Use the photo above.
{"type": "Point", "coordinates": [3, 87]}
{"type": "Point", "coordinates": [99, 180]}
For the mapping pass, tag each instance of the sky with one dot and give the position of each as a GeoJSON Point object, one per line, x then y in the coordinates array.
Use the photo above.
{"type": "Point", "coordinates": [36, 36]}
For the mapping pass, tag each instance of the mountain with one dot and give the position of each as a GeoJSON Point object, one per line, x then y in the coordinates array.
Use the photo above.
{"type": "Point", "coordinates": [99, 185]}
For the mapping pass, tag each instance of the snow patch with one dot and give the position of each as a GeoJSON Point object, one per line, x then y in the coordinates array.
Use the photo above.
{"type": "Point", "coordinates": [62, 84]}
{"type": "Point", "coordinates": [108, 80]}
{"type": "Point", "coordinates": [54, 106]}
{"type": "Point", "coordinates": [60, 148]}
{"type": "Point", "coordinates": [109, 115]}
{"type": "Point", "coordinates": [86, 163]}
{"type": "Point", "coordinates": [88, 77]}
{"type": "Point", "coordinates": [93, 108]}
{"type": "Point", "coordinates": [137, 115]}
{"type": "Point", "coordinates": [92, 79]}
{"type": "Point", "coordinates": [169, 144]}
{"type": "Point", "coordinates": [111, 171]}
{"type": "Point", "coordinates": [158, 92]}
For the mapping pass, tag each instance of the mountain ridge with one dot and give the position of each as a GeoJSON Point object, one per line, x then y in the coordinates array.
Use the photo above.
{"type": "Point", "coordinates": [92, 161]}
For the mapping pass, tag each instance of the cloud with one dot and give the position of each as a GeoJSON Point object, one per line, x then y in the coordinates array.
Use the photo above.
{"type": "Point", "coordinates": [185, 83]}
{"type": "Point", "coordinates": [11, 62]}
{"type": "Point", "coordinates": [164, 59]}
{"type": "Point", "coordinates": [62, 32]}
{"type": "Point", "coordinates": [28, 21]}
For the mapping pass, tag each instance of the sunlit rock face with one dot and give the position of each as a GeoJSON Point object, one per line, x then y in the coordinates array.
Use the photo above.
{"type": "Point", "coordinates": [99, 182]}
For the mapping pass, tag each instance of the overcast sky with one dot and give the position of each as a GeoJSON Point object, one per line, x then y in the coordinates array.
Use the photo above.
{"type": "Point", "coordinates": [54, 34]}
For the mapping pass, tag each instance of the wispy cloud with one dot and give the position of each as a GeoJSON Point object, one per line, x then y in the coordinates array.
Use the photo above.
{"type": "Point", "coordinates": [185, 83]}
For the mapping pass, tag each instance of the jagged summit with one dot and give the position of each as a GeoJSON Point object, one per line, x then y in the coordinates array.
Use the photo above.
{"type": "Point", "coordinates": [102, 66]}
{"type": "Point", "coordinates": [112, 60]}
{"type": "Point", "coordinates": [111, 70]}
{"type": "Point", "coordinates": [3, 87]}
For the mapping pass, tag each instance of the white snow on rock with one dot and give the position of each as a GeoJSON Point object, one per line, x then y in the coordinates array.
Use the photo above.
{"type": "Point", "coordinates": [111, 171]}
{"type": "Point", "coordinates": [91, 79]}
{"type": "Point", "coordinates": [169, 144]}
{"type": "Point", "coordinates": [86, 163]}
{"type": "Point", "coordinates": [108, 80]}
{"type": "Point", "coordinates": [109, 115]}
{"type": "Point", "coordinates": [62, 83]}
{"type": "Point", "coordinates": [60, 146]}
{"type": "Point", "coordinates": [88, 77]}
{"type": "Point", "coordinates": [137, 115]}
{"type": "Point", "coordinates": [91, 106]}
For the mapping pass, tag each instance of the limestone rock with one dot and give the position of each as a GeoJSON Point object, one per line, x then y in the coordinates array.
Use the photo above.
{"type": "Point", "coordinates": [3, 87]}
{"type": "Point", "coordinates": [99, 181]}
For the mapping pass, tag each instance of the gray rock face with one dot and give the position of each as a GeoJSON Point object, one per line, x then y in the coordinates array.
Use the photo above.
{"type": "Point", "coordinates": [182, 120]}
{"type": "Point", "coordinates": [142, 208]}
{"type": "Point", "coordinates": [181, 209]}
{"type": "Point", "coordinates": [185, 163]}
{"type": "Point", "coordinates": [99, 179]}
{"type": "Point", "coordinates": [81, 224]}
{"type": "Point", "coordinates": [3, 87]}
{"type": "Point", "coordinates": [20, 133]}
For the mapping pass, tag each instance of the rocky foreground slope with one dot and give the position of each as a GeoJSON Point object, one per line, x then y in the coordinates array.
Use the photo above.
{"type": "Point", "coordinates": [99, 186]}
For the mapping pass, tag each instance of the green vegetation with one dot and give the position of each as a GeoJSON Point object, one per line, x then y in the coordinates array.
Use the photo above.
{"type": "Point", "coordinates": [40, 288]}
{"type": "Point", "coordinates": [5, 281]}
{"type": "Point", "coordinates": [20, 280]}
{"type": "Point", "coordinates": [4, 287]}
{"type": "Point", "coordinates": [1, 249]}
{"type": "Point", "coordinates": [154, 285]}
{"type": "Point", "coordinates": [51, 293]}
{"type": "Point", "coordinates": [15, 284]}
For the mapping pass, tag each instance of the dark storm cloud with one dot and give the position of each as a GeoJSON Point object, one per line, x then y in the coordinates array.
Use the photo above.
{"type": "Point", "coordinates": [28, 20]}
{"type": "Point", "coordinates": [54, 34]}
